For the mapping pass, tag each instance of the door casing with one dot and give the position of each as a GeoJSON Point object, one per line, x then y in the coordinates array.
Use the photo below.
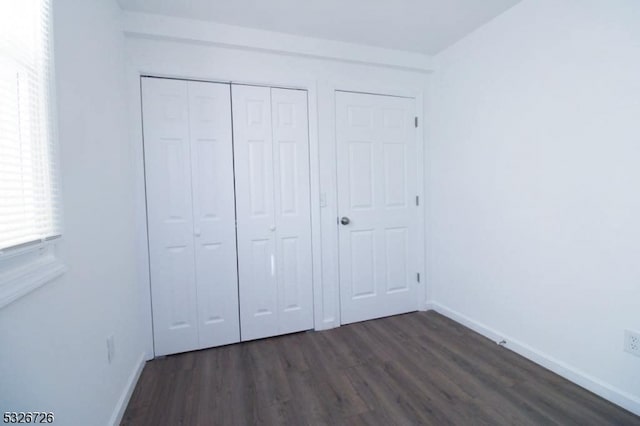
{"type": "Point", "coordinates": [375, 134]}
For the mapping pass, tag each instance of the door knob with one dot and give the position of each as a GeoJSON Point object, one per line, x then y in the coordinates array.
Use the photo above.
{"type": "Point", "coordinates": [344, 220]}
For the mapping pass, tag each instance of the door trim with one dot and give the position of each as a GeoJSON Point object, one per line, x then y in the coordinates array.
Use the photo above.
{"type": "Point", "coordinates": [330, 317]}
{"type": "Point", "coordinates": [134, 81]}
{"type": "Point", "coordinates": [419, 261]}
{"type": "Point", "coordinates": [376, 94]}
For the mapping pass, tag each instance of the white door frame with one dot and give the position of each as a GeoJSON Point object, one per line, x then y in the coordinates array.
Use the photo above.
{"type": "Point", "coordinates": [134, 76]}
{"type": "Point", "coordinates": [330, 240]}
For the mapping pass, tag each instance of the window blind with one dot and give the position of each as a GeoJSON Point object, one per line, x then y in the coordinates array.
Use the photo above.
{"type": "Point", "coordinates": [29, 188]}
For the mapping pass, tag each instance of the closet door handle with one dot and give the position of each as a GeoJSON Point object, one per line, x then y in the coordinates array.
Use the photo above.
{"type": "Point", "coordinates": [345, 220]}
{"type": "Point", "coordinates": [197, 232]}
{"type": "Point", "coordinates": [273, 266]}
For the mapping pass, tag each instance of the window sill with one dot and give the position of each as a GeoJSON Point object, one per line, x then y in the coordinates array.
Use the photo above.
{"type": "Point", "coordinates": [27, 269]}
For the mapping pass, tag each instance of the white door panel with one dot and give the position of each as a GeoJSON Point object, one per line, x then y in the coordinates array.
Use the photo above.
{"type": "Point", "coordinates": [255, 212]}
{"type": "Point", "coordinates": [377, 186]}
{"type": "Point", "coordinates": [213, 213]}
{"type": "Point", "coordinates": [191, 214]}
{"type": "Point", "coordinates": [169, 211]}
{"type": "Point", "coordinates": [206, 289]}
{"type": "Point", "coordinates": [292, 209]}
{"type": "Point", "coordinates": [271, 153]}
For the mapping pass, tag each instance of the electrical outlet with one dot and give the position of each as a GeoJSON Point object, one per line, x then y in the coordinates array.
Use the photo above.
{"type": "Point", "coordinates": [632, 342]}
{"type": "Point", "coordinates": [111, 348]}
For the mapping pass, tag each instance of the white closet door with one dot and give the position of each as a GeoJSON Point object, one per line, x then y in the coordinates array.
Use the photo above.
{"type": "Point", "coordinates": [169, 212]}
{"type": "Point", "coordinates": [214, 213]}
{"type": "Point", "coordinates": [255, 213]}
{"type": "Point", "coordinates": [272, 205]}
{"type": "Point", "coordinates": [292, 209]}
{"type": "Point", "coordinates": [191, 214]}
{"type": "Point", "coordinates": [377, 188]}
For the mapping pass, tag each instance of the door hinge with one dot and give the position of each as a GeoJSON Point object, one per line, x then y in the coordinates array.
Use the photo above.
{"type": "Point", "coordinates": [418, 276]}
{"type": "Point", "coordinates": [416, 121]}
{"type": "Point", "coordinates": [417, 200]}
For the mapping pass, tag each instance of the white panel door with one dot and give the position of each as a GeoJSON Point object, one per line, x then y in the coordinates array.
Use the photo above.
{"type": "Point", "coordinates": [213, 213]}
{"type": "Point", "coordinates": [377, 188]}
{"type": "Point", "coordinates": [191, 214]}
{"type": "Point", "coordinates": [170, 215]}
{"type": "Point", "coordinates": [292, 209]}
{"type": "Point", "coordinates": [253, 147]}
{"type": "Point", "coordinates": [272, 205]}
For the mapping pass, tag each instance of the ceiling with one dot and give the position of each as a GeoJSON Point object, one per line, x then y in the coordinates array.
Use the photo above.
{"type": "Point", "coordinates": [425, 26]}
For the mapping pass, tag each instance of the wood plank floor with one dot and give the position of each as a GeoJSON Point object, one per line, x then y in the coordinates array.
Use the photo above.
{"type": "Point", "coordinates": [418, 368]}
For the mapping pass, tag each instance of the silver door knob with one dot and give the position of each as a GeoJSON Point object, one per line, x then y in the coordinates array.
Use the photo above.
{"type": "Point", "coordinates": [345, 220]}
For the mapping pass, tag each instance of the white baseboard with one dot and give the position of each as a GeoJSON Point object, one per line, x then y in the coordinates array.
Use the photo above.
{"type": "Point", "coordinates": [605, 390]}
{"type": "Point", "coordinates": [429, 305]}
{"type": "Point", "coordinates": [121, 406]}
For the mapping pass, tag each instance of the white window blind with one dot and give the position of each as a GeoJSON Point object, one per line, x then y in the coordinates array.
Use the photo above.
{"type": "Point", "coordinates": [29, 189]}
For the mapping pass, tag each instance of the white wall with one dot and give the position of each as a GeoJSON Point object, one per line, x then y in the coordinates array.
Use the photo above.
{"type": "Point", "coordinates": [53, 352]}
{"type": "Point", "coordinates": [170, 48]}
{"type": "Point", "coordinates": [534, 221]}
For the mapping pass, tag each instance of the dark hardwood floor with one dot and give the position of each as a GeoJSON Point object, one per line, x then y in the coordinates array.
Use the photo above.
{"type": "Point", "coordinates": [418, 368]}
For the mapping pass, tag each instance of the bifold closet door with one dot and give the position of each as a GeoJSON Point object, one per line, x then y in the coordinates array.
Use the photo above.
{"type": "Point", "coordinates": [190, 211]}
{"type": "Point", "coordinates": [271, 153]}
